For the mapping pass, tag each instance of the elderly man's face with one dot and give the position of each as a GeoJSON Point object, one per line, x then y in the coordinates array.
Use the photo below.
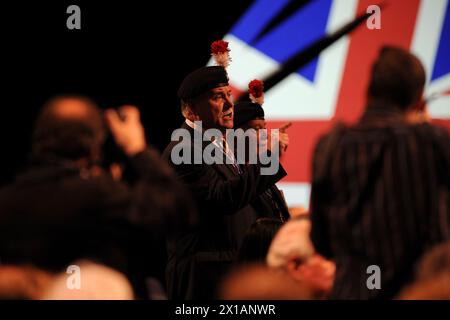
{"type": "Point", "coordinates": [215, 108]}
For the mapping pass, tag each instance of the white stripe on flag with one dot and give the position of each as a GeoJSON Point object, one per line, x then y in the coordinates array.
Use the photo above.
{"type": "Point", "coordinates": [296, 194]}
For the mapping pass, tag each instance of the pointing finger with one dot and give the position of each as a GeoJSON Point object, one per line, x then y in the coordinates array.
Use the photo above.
{"type": "Point", "coordinates": [285, 126]}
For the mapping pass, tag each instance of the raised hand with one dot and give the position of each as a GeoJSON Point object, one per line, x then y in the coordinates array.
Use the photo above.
{"type": "Point", "coordinates": [126, 128]}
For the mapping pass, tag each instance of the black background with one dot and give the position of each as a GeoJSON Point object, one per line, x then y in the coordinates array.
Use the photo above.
{"type": "Point", "coordinates": [127, 52]}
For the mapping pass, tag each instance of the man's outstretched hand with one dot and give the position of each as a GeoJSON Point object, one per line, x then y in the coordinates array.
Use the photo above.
{"type": "Point", "coordinates": [284, 137]}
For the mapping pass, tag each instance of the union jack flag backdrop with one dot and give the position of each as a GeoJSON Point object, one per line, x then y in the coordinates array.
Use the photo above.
{"type": "Point", "coordinates": [333, 85]}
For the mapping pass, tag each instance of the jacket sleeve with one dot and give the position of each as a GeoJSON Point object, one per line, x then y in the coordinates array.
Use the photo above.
{"type": "Point", "coordinates": [210, 189]}
{"type": "Point", "coordinates": [319, 226]}
{"type": "Point", "coordinates": [439, 219]}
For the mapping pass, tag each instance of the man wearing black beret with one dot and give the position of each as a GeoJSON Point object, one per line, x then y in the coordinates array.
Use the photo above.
{"type": "Point", "coordinates": [250, 115]}
{"type": "Point", "coordinates": [223, 192]}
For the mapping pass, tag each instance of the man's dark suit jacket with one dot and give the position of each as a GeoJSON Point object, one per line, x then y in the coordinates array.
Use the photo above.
{"type": "Point", "coordinates": [198, 260]}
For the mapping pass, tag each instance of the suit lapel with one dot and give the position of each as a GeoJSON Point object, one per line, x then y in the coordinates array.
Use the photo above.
{"type": "Point", "coordinates": [227, 170]}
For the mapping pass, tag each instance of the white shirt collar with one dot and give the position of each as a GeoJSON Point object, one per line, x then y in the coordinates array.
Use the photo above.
{"type": "Point", "coordinates": [224, 145]}
{"type": "Point", "coordinates": [190, 123]}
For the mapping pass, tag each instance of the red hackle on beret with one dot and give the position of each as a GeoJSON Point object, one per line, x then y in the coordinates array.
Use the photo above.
{"type": "Point", "coordinates": [256, 91]}
{"type": "Point", "coordinates": [221, 53]}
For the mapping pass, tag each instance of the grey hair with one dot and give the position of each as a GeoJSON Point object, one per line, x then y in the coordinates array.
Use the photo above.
{"type": "Point", "coordinates": [185, 106]}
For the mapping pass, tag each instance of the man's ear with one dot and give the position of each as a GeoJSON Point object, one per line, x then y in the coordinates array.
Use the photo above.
{"type": "Point", "coordinates": [418, 113]}
{"type": "Point", "coordinates": [189, 112]}
{"type": "Point", "coordinates": [419, 103]}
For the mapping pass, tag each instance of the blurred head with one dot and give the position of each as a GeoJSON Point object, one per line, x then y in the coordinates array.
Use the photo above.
{"type": "Point", "coordinates": [22, 282]}
{"type": "Point", "coordinates": [257, 240]}
{"type": "Point", "coordinates": [435, 262]}
{"type": "Point", "coordinates": [397, 78]}
{"type": "Point", "coordinates": [97, 282]}
{"type": "Point", "coordinates": [257, 282]}
{"type": "Point", "coordinates": [432, 279]}
{"type": "Point", "coordinates": [437, 288]}
{"type": "Point", "coordinates": [292, 250]}
{"type": "Point", "coordinates": [291, 242]}
{"type": "Point", "coordinates": [70, 128]}
{"type": "Point", "coordinates": [250, 115]}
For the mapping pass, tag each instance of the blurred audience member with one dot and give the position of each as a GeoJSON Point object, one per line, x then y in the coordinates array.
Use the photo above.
{"type": "Point", "coordinates": [292, 250]}
{"type": "Point", "coordinates": [435, 262]}
{"type": "Point", "coordinates": [432, 277]}
{"type": "Point", "coordinates": [256, 242]}
{"type": "Point", "coordinates": [23, 282]}
{"type": "Point", "coordinates": [65, 207]}
{"type": "Point", "coordinates": [248, 116]}
{"type": "Point", "coordinates": [380, 189]}
{"type": "Point", "coordinates": [437, 288]}
{"type": "Point", "coordinates": [258, 282]}
{"type": "Point", "coordinates": [97, 282]}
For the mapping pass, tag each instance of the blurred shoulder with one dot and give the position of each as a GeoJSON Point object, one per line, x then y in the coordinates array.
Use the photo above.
{"type": "Point", "coordinates": [431, 131]}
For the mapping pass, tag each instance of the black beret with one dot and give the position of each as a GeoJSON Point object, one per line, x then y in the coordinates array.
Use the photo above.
{"type": "Point", "coordinates": [202, 80]}
{"type": "Point", "coordinates": [245, 111]}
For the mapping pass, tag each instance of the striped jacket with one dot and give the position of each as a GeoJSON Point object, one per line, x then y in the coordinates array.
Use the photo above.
{"type": "Point", "coordinates": [380, 196]}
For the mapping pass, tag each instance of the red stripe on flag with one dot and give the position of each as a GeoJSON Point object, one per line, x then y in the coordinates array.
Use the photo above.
{"type": "Point", "coordinates": [397, 26]}
{"type": "Point", "coordinates": [442, 123]}
{"type": "Point", "coordinates": [302, 139]}
{"type": "Point", "coordinates": [398, 21]}
{"type": "Point", "coordinates": [237, 93]}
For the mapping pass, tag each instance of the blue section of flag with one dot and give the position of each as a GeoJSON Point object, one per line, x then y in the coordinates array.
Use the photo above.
{"type": "Point", "coordinates": [304, 27]}
{"type": "Point", "coordinates": [442, 62]}
{"type": "Point", "coordinates": [256, 18]}
{"type": "Point", "coordinates": [296, 33]}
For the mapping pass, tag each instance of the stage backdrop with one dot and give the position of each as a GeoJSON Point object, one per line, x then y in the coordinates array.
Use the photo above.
{"type": "Point", "coordinates": [332, 86]}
